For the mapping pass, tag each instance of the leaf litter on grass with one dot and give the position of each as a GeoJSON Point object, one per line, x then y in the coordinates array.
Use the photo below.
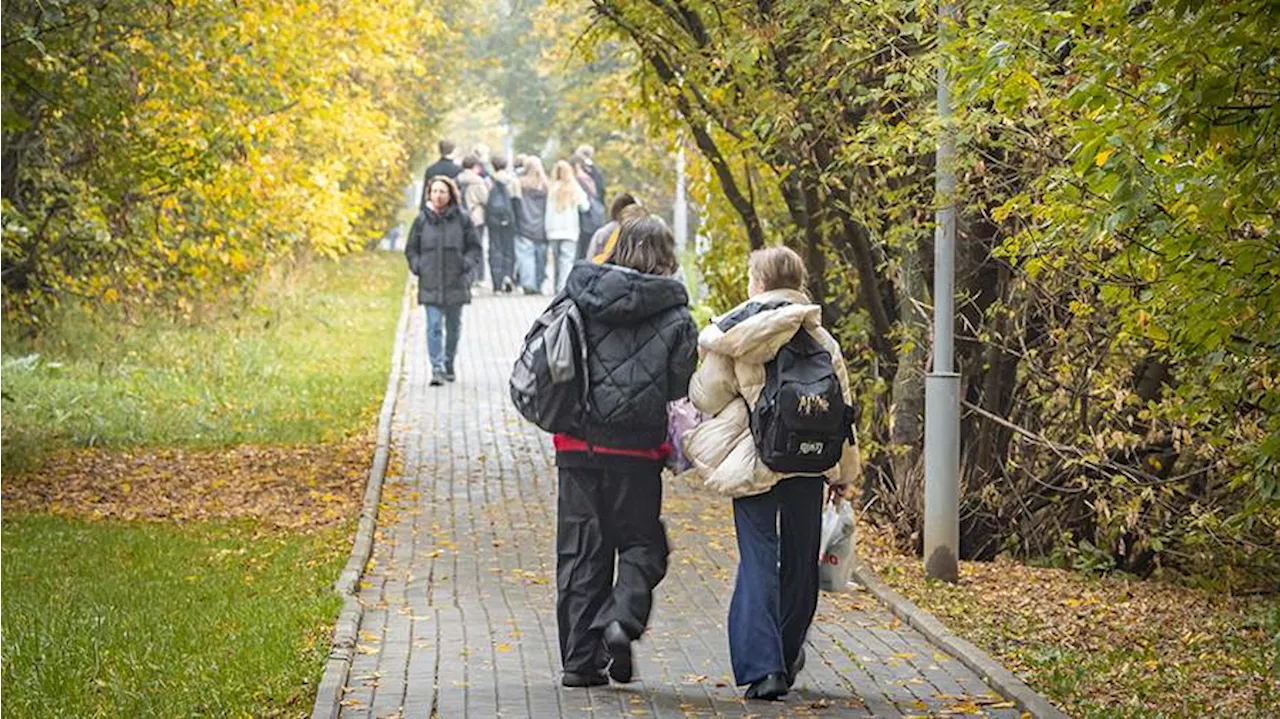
{"type": "Point", "coordinates": [302, 487]}
{"type": "Point", "coordinates": [1102, 646]}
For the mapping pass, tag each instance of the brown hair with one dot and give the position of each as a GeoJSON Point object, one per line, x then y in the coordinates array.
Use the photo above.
{"type": "Point", "coordinates": [631, 212]}
{"type": "Point", "coordinates": [450, 185]}
{"type": "Point", "coordinates": [620, 203]}
{"type": "Point", "coordinates": [645, 244]}
{"type": "Point", "coordinates": [777, 268]}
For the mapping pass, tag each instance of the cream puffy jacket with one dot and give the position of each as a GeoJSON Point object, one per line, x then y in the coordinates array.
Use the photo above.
{"type": "Point", "coordinates": [728, 383]}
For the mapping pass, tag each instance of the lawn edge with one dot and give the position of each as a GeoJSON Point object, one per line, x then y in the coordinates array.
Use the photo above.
{"type": "Point", "coordinates": [991, 671]}
{"type": "Point", "coordinates": [342, 648]}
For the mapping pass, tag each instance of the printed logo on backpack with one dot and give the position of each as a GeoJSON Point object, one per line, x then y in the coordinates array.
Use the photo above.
{"type": "Point", "coordinates": [800, 421]}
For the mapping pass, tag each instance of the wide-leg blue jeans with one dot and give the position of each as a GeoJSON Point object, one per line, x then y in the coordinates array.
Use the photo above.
{"type": "Point", "coordinates": [776, 592]}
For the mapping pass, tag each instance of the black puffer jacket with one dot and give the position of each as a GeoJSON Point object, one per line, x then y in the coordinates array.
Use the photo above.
{"type": "Point", "coordinates": [443, 251]}
{"type": "Point", "coordinates": [642, 351]}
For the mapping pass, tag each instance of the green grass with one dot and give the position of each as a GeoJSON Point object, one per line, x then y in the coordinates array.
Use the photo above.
{"type": "Point", "coordinates": [114, 619]}
{"type": "Point", "coordinates": [204, 619]}
{"type": "Point", "coordinates": [305, 364]}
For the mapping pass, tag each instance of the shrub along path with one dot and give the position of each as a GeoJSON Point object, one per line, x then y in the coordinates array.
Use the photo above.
{"type": "Point", "coordinates": [459, 596]}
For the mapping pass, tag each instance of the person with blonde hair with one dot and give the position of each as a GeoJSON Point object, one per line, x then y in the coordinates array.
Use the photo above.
{"type": "Point", "coordinates": [531, 229]}
{"type": "Point", "coordinates": [765, 420]}
{"type": "Point", "coordinates": [565, 200]}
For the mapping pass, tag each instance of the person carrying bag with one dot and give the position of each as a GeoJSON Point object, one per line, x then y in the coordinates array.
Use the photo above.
{"type": "Point", "coordinates": [598, 370]}
{"type": "Point", "coordinates": [775, 392]}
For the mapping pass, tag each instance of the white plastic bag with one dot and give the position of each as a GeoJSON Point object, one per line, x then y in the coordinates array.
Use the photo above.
{"type": "Point", "coordinates": [835, 554]}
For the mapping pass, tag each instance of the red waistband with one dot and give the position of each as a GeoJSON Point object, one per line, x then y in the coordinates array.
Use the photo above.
{"type": "Point", "coordinates": [565, 443]}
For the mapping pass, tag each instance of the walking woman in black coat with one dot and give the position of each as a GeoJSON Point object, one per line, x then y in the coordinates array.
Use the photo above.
{"type": "Point", "coordinates": [642, 352]}
{"type": "Point", "coordinates": [443, 251]}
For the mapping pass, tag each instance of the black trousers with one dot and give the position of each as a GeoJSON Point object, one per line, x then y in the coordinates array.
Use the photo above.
{"type": "Point", "coordinates": [606, 513]}
{"type": "Point", "coordinates": [502, 253]}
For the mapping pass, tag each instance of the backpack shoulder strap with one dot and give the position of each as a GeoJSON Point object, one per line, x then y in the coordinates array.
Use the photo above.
{"type": "Point", "coordinates": [747, 311]}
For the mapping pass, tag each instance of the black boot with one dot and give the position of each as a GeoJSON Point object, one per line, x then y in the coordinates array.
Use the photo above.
{"type": "Point", "coordinates": [795, 668]}
{"type": "Point", "coordinates": [772, 687]}
{"type": "Point", "coordinates": [619, 646]}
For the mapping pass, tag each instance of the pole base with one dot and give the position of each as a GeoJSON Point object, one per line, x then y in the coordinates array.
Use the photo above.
{"type": "Point", "coordinates": [942, 475]}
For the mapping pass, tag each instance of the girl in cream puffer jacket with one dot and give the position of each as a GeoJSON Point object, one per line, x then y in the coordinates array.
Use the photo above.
{"type": "Point", "coordinates": [729, 381]}
{"type": "Point", "coordinates": [777, 518]}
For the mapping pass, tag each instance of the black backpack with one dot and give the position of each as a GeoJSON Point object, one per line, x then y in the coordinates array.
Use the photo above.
{"type": "Point", "coordinates": [498, 211]}
{"type": "Point", "coordinates": [549, 383]}
{"type": "Point", "coordinates": [801, 421]}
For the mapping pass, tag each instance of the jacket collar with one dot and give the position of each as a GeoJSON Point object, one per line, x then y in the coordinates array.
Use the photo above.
{"type": "Point", "coordinates": [755, 330]}
{"type": "Point", "coordinates": [436, 219]}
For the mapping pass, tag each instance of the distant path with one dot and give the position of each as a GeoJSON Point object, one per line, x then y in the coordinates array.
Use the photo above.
{"type": "Point", "coordinates": [459, 600]}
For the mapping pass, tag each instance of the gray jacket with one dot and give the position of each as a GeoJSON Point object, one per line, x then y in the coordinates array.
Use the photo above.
{"type": "Point", "coordinates": [531, 218]}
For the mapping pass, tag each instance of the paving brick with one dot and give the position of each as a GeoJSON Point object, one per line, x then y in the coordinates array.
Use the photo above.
{"type": "Point", "coordinates": [459, 600]}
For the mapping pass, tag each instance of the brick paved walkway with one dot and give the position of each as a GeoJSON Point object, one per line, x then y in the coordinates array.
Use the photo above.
{"type": "Point", "coordinates": [459, 612]}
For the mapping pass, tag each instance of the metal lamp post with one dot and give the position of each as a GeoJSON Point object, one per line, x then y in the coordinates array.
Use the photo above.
{"type": "Point", "coordinates": [942, 385]}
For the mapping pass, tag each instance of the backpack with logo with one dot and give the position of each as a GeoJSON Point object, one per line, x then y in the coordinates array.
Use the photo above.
{"type": "Point", "coordinates": [549, 384]}
{"type": "Point", "coordinates": [498, 211]}
{"type": "Point", "coordinates": [801, 422]}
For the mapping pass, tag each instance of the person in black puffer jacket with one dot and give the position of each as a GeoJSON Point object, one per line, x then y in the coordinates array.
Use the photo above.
{"type": "Point", "coordinates": [443, 251]}
{"type": "Point", "coordinates": [642, 349]}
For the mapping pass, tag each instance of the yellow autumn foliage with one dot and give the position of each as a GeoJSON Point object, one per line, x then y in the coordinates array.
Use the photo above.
{"type": "Point", "coordinates": [159, 152]}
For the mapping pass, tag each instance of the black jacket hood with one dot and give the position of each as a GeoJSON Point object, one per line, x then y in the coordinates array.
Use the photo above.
{"type": "Point", "coordinates": [620, 295]}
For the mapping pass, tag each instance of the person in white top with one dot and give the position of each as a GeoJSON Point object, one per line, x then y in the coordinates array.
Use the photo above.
{"type": "Point", "coordinates": [565, 200]}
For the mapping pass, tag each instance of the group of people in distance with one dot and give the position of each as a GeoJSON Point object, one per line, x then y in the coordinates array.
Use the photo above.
{"type": "Point", "coordinates": [643, 352]}
{"type": "Point", "coordinates": [518, 211]}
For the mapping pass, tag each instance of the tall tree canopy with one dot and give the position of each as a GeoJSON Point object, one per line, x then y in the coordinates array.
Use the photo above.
{"type": "Point", "coordinates": [1118, 273]}
{"type": "Point", "coordinates": [168, 150]}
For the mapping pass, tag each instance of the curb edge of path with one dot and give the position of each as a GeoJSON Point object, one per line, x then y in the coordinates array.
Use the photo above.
{"type": "Point", "coordinates": [341, 651]}
{"type": "Point", "coordinates": [991, 671]}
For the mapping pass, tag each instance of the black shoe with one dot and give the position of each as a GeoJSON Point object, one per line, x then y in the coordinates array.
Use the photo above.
{"type": "Point", "coordinates": [449, 376]}
{"type": "Point", "coordinates": [576, 679]}
{"type": "Point", "coordinates": [772, 687]}
{"type": "Point", "coordinates": [619, 646]}
{"type": "Point", "coordinates": [795, 668]}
